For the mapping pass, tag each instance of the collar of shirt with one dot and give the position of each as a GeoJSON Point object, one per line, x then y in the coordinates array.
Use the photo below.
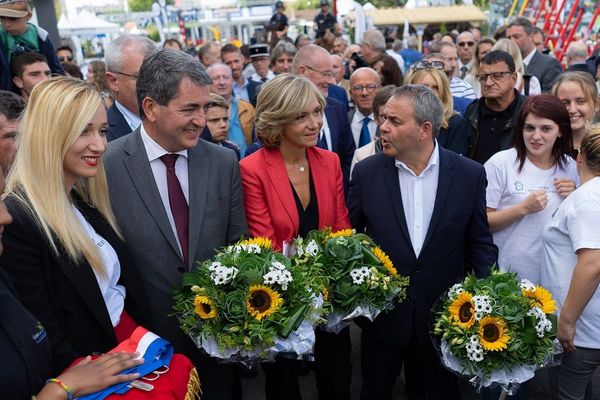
{"type": "Point", "coordinates": [468, 65]}
{"type": "Point", "coordinates": [155, 150]}
{"type": "Point", "coordinates": [132, 120]}
{"type": "Point", "coordinates": [258, 78]}
{"type": "Point", "coordinates": [358, 116]}
{"type": "Point", "coordinates": [434, 161]}
{"type": "Point", "coordinates": [242, 86]}
{"type": "Point", "coordinates": [527, 59]}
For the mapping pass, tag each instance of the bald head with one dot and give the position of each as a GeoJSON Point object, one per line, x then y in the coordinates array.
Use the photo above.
{"type": "Point", "coordinates": [307, 55]}
{"type": "Point", "coordinates": [364, 83]}
{"type": "Point", "coordinates": [316, 64]}
{"type": "Point", "coordinates": [365, 73]}
{"type": "Point", "coordinates": [577, 52]}
{"type": "Point", "coordinates": [338, 67]}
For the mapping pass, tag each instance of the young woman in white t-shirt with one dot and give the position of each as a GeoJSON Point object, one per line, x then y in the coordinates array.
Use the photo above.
{"type": "Point", "coordinates": [571, 271]}
{"type": "Point", "coordinates": [527, 183]}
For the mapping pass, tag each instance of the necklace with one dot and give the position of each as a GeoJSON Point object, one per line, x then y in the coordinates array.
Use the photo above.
{"type": "Point", "coordinates": [301, 168]}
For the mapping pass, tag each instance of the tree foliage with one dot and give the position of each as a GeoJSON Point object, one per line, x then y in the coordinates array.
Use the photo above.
{"type": "Point", "coordinates": [143, 5]}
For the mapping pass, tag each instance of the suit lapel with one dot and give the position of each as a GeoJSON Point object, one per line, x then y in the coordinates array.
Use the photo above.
{"type": "Point", "coordinates": [138, 167]}
{"type": "Point", "coordinates": [393, 186]}
{"type": "Point", "coordinates": [446, 173]}
{"type": "Point", "coordinates": [281, 183]}
{"type": "Point", "coordinates": [198, 177]}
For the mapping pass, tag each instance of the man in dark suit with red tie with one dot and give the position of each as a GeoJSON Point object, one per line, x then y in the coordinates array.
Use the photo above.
{"type": "Point", "coordinates": [425, 207]}
{"type": "Point", "coordinates": [176, 199]}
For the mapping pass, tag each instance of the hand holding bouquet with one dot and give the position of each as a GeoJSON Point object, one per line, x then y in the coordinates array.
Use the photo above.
{"type": "Point", "coordinates": [496, 330]}
{"type": "Point", "coordinates": [357, 277]}
{"type": "Point", "coordinates": [248, 303]}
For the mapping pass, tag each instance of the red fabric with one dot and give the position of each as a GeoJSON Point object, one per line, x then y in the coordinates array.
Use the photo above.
{"type": "Point", "coordinates": [125, 327]}
{"type": "Point", "coordinates": [270, 207]}
{"type": "Point", "coordinates": [179, 206]}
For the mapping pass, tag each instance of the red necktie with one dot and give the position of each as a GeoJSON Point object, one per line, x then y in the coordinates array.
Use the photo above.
{"type": "Point", "coordinates": [179, 207]}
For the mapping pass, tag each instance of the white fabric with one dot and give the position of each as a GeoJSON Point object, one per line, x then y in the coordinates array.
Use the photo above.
{"type": "Point", "coordinates": [357, 123]}
{"type": "Point", "coordinates": [325, 131]}
{"type": "Point", "coordinates": [159, 170]}
{"type": "Point", "coordinates": [132, 120]}
{"type": "Point", "coordinates": [112, 293]}
{"type": "Point", "coordinates": [256, 77]}
{"type": "Point", "coordinates": [574, 227]}
{"type": "Point", "coordinates": [418, 197]}
{"type": "Point", "coordinates": [469, 65]}
{"type": "Point", "coordinates": [527, 59]}
{"type": "Point", "coordinates": [460, 88]}
{"type": "Point", "coordinates": [519, 244]}
{"type": "Point", "coordinates": [396, 57]}
{"type": "Point", "coordinates": [534, 85]}
{"type": "Point", "coordinates": [361, 153]}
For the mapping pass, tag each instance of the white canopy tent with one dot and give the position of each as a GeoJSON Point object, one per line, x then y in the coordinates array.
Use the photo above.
{"type": "Point", "coordinates": [85, 24]}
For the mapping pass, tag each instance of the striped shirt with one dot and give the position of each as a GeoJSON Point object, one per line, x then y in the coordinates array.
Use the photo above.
{"type": "Point", "coordinates": [460, 88]}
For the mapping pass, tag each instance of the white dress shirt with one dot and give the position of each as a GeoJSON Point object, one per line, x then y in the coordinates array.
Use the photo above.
{"type": "Point", "coordinates": [132, 120]}
{"type": "Point", "coordinates": [527, 60]}
{"type": "Point", "coordinates": [357, 123]}
{"type": "Point", "coordinates": [418, 197]}
{"type": "Point", "coordinates": [154, 151]}
{"type": "Point", "coordinates": [256, 77]}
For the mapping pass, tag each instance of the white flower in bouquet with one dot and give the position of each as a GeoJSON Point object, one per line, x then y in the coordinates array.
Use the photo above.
{"type": "Point", "coordinates": [278, 274]}
{"type": "Point", "coordinates": [359, 275]}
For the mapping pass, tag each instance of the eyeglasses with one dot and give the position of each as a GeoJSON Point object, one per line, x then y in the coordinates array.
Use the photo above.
{"type": "Point", "coordinates": [496, 76]}
{"type": "Point", "coordinates": [63, 58]}
{"type": "Point", "coordinates": [324, 74]}
{"type": "Point", "coordinates": [428, 64]}
{"type": "Point", "coordinates": [124, 74]}
{"type": "Point", "coordinates": [370, 88]}
{"type": "Point", "coordinates": [466, 44]}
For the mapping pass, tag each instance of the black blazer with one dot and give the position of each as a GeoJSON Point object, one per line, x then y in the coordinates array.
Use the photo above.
{"type": "Point", "coordinates": [64, 295]}
{"type": "Point", "coordinates": [117, 124]}
{"type": "Point", "coordinates": [253, 89]}
{"type": "Point", "coordinates": [458, 236]}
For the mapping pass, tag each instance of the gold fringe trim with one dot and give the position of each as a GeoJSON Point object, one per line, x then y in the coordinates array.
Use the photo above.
{"type": "Point", "coordinates": [194, 391]}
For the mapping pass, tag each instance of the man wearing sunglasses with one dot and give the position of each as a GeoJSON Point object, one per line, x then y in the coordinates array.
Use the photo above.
{"type": "Point", "coordinates": [465, 43]}
{"type": "Point", "coordinates": [65, 54]}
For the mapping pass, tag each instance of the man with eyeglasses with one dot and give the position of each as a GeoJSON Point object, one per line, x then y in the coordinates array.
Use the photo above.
{"type": "Point", "coordinates": [466, 53]}
{"type": "Point", "coordinates": [124, 56]}
{"type": "Point", "coordinates": [18, 35]}
{"type": "Point", "coordinates": [447, 53]}
{"type": "Point", "coordinates": [492, 118]}
{"type": "Point", "coordinates": [364, 83]}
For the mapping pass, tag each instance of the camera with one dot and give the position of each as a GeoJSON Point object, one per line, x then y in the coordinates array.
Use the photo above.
{"type": "Point", "coordinates": [359, 61]}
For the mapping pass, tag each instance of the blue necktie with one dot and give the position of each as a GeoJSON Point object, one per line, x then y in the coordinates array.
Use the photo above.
{"type": "Point", "coordinates": [365, 135]}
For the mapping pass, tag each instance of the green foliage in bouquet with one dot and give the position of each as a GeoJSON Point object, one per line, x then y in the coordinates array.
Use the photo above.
{"type": "Point", "coordinates": [245, 297]}
{"type": "Point", "coordinates": [353, 270]}
{"type": "Point", "coordinates": [497, 323]}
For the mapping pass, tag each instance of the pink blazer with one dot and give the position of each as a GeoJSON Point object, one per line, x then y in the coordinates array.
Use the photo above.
{"type": "Point", "coordinates": [270, 206]}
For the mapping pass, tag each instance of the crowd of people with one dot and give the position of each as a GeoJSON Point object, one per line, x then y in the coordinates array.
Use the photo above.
{"type": "Point", "coordinates": [477, 152]}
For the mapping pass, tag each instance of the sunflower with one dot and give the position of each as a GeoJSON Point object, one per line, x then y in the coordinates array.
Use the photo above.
{"type": "Point", "coordinates": [262, 242]}
{"type": "Point", "coordinates": [325, 292]}
{"type": "Point", "coordinates": [541, 298]}
{"type": "Point", "coordinates": [205, 308]}
{"type": "Point", "coordinates": [262, 301]}
{"type": "Point", "coordinates": [385, 260]}
{"type": "Point", "coordinates": [342, 233]}
{"type": "Point", "coordinates": [492, 333]}
{"type": "Point", "coordinates": [463, 310]}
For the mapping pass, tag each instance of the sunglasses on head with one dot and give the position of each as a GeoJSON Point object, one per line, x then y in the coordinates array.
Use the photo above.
{"type": "Point", "coordinates": [428, 64]}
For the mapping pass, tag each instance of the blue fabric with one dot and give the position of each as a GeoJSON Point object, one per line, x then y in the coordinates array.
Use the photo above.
{"type": "Point", "coordinates": [158, 355]}
{"type": "Point", "coordinates": [338, 93]}
{"type": "Point", "coordinates": [365, 135]}
{"type": "Point", "coordinates": [322, 143]}
{"type": "Point", "coordinates": [236, 134]}
{"type": "Point", "coordinates": [410, 56]}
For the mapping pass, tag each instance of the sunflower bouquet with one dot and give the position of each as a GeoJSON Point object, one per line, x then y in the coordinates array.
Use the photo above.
{"type": "Point", "coordinates": [496, 330]}
{"type": "Point", "coordinates": [249, 303]}
{"type": "Point", "coordinates": [357, 278]}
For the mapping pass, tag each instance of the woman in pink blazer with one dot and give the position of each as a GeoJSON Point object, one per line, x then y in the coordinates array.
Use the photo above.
{"type": "Point", "coordinates": [290, 188]}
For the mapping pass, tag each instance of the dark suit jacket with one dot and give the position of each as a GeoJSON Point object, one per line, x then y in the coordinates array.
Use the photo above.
{"type": "Point", "coordinates": [64, 295]}
{"type": "Point", "coordinates": [253, 90]}
{"type": "Point", "coordinates": [546, 68]}
{"type": "Point", "coordinates": [338, 93]}
{"type": "Point", "coordinates": [270, 206]}
{"type": "Point", "coordinates": [458, 236]}
{"type": "Point", "coordinates": [342, 141]}
{"type": "Point", "coordinates": [117, 124]}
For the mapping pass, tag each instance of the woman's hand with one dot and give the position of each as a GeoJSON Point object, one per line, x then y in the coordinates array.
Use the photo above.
{"type": "Point", "coordinates": [564, 186]}
{"type": "Point", "coordinates": [89, 376]}
{"type": "Point", "coordinates": [536, 201]}
{"type": "Point", "coordinates": [565, 334]}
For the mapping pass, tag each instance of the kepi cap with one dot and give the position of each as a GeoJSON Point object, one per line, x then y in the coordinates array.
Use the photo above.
{"type": "Point", "coordinates": [279, 4]}
{"type": "Point", "coordinates": [14, 8]}
{"type": "Point", "coordinates": [259, 50]}
{"type": "Point", "coordinates": [324, 3]}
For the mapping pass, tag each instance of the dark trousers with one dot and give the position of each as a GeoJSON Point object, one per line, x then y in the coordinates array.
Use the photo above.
{"type": "Point", "coordinates": [333, 370]}
{"type": "Point", "coordinates": [219, 381]}
{"type": "Point", "coordinates": [382, 362]}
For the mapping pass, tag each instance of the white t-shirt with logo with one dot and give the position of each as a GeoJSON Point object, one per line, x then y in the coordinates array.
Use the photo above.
{"type": "Point", "coordinates": [520, 244]}
{"type": "Point", "coordinates": [575, 226]}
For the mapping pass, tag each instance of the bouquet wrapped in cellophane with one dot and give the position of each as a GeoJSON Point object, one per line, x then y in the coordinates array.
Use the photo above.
{"type": "Point", "coordinates": [357, 277]}
{"type": "Point", "coordinates": [496, 331]}
{"type": "Point", "coordinates": [248, 303]}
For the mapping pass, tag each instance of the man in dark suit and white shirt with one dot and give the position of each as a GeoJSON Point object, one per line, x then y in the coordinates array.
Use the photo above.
{"type": "Point", "coordinates": [124, 56]}
{"type": "Point", "coordinates": [544, 67]}
{"type": "Point", "coordinates": [176, 199]}
{"type": "Point", "coordinates": [364, 84]}
{"type": "Point", "coordinates": [315, 63]}
{"type": "Point", "coordinates": [425, 207]}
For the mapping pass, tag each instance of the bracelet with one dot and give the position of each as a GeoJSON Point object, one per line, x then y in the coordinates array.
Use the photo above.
{"type": "Point", "coordinates": [62, 385]}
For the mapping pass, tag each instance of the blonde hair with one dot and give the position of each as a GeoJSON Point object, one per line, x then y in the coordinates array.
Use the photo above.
{"type": "Point", "coordinates": [59, 110]}
{"type": "Point", "coordinates": [279, 103]}
{"type": "Point", "coordinates": [590, 148]}
{"type": "Point", "coordinates": [585, 82]}
{"type": "Point", "coordinates": [511, 48]}
{"type": "Point", "coordinates": [416, 75]}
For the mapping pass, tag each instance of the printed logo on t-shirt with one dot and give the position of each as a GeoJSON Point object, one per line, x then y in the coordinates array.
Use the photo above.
{"type": "Point", "coordinates": [518, 186]}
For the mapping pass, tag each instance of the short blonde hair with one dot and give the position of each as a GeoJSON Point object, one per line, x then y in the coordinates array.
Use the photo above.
{"type": "Point", "coordinates": [59, 110]}
{"type": "Point", "coordinates": [216, 101]}
{"type": "Point", "coordinates": [590, 148]}
{"type": "Point", "coordinates": [511, 48]}
{"type": "Point", "coordinates": [584, 80]}
{"type": "Point", "coordinates": [416, 75]}
{"type": "Point", "coordinates": [279, 103]}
